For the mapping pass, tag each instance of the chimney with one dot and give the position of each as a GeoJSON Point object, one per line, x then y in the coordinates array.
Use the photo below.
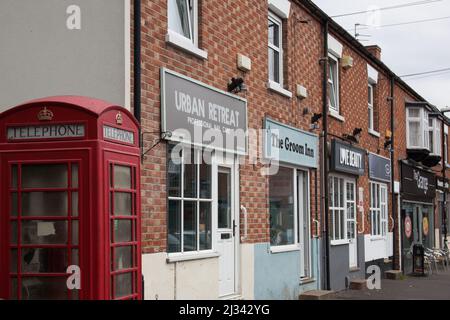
{"type": "Point", "coordinates": [375, 51]}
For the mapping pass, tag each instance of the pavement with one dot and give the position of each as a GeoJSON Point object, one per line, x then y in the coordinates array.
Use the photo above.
{"type": "Point", "coordinates": [434, 287]}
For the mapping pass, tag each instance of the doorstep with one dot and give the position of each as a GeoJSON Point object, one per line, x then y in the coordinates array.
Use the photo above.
{"type": "Point", "coordinates": [316, 295]}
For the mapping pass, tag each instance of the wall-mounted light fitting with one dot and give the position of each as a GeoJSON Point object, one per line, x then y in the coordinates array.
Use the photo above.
{"type": "Point", "coordinates": [236, 85]}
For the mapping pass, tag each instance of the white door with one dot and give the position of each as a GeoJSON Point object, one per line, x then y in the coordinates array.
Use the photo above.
{"type": "Point", "coordinates": [226, 231]}
{"type": "Point", "coordinates": [350, 197]}
{"type": "Point", "coordinates": [304, 224]}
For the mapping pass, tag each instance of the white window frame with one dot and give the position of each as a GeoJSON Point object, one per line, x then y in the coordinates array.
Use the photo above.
{"type": "Point", "coordinates": [435, 132]}
{"type": "Point", "coordinates": [335, 70]}
{"type": "Point", "coordinates": [182, 255]}
{"type": "Point", "coordinates": [379, 210]}
{"type": "Point", "coordinates": [445, 151]}
{"type": "Point", "coordinates": [296, 245]}
{"type": "Point", "coordinates": [340, 207]}
{"type": "Point", "coordinates": [277, 20]}
{"type": "Point", "coordinates": [370, 105]}
{"type": "Point", "coordinates": [179, 40]}
{"type": "Point", "coordinates": [422, 119]}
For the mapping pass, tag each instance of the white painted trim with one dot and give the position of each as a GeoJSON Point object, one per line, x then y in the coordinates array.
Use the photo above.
{"type": "Point", "coordinates": [177, 257]}
{"type": "Point", "coordinates": [339, 242]}
{"type": "Point", "coordinates": [276, 87]}
{"type": "Point", "coordinates": [185, 44]}
{"type": "Point", "coordinates": [336, 115]}
{"type": "Point", "coordinates": [127, 55]}
{"type": "Point", "coordinates": [275, 19]}
{"type": "Point", "coordinates": [374, 133]}
{"type": "Point", "coordinates": [281, 7]}
{"type": "Point", "coordinates": [287, 248]}
{"type": "Point", "coordinates": [372, 74]}
{"type": "Point", "coordinates": [334, 46]}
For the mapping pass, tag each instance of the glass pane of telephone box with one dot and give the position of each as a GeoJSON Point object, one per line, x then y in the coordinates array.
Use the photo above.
{"type": "Point", "coordinates": [44, 288]}
{"type": "Point", "coordinates": [13, 206]}
{"type": "Point", "coordinates": [74, 175]}
{"type": "Point", "coordinates": [44, 260]}
{"type": "Point", "coordinates": [122, 177]}
{"type": "Point", "coordinates": [14, 177]}
{"type": "Point", "coordinates": [123, 285]}
{"type": "Point", "coordinates": [122, 230]}
{"type": "Point", "coordinates": [123, 258]}
{"type": "Point", "coordinates": [13, 289]}
{"type": "Point", "coordinates": [44, 232]}
{"type": "Point", "coordinates": [44, 204]}
{"type": "Point", "coordinates": [44, 176]}
{"type": "Point", "coordinates": [122, 203]}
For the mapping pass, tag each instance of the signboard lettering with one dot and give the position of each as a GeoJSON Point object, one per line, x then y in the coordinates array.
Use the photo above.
{"type": "Point", "coordinates": [118, 134]}
{"type": "Point", "coordinates": [347, 158]}
{"type": "Point", "coordinates": [417, 184]}
{"type": "Point", "coordinates": [290, 145]}
{"type": "Point", "coordinates": [57, 131]}
{"type": "Point", "coordinates": [196, 113]}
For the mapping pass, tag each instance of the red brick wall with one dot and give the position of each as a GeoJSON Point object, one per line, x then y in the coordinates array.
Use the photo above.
{"type": "Point", "coordinates": [226, 28]}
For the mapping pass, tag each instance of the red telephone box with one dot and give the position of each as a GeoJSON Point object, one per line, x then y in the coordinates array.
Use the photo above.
{"type": "Point", "coordinates": [70, 201]}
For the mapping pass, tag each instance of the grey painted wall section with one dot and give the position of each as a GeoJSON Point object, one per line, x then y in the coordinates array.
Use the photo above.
{"type": "Point", "coordinates": [44, 53]}
{"type": "Point", "coordinates": [277, 275]}
{"type": "Point", "coordinates": [339, 265]}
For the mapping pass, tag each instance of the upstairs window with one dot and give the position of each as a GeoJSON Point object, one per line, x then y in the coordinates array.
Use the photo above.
{"type": "Point", "coordinates": [275, 49]}
{"type": "Point", "coordinates": [417, 128]}
{"type": "Point", "coordinates": [434, 136]}
{"type": "Point", "coordinates": [371, 106]}
{"type": "Point", "coordinates": [333, 84]}
{"type": "Point", "coordinates": [183, 18]}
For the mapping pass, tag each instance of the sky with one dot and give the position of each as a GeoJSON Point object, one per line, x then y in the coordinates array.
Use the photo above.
{"type": "Point", "coordinates": [406, 49]}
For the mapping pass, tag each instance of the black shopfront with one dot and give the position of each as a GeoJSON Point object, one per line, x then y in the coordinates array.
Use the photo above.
{"type": "Point", "coordinates": [418, 192]}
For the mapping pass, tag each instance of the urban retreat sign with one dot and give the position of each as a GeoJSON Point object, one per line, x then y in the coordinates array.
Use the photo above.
{"type": "Point", "coordinates": [53, 131]}
{"type": "Point", "coordinates": [290, 145]}
{"type": "Point", "coordinates": [346, 158]}
{"type": "Point", "coordinates": [196, 113]}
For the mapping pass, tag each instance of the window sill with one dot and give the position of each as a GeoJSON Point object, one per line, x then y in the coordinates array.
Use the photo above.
{"type": "Point", "coordinates": [336, 115]}
{"type": "Point", "coordinates": [374, 133]}
{"type": "Point", "coordinates": [189, 257]}
{"type": "Point", "coordinates": [276, 87]}
{"type": "Point", "coordinates": [281, 249]}
{"type": "Point", "coordinates": [185, 44]}
{"type": "Point", "coordinates": [307, 280]}
{"type": "Point", "coordinates": [339, 242]}
{"type": "Point", "coordinates": [377, 238]}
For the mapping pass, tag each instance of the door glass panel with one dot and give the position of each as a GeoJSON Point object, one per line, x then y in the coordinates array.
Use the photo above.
{"type": "Point", "coordinates": [44, 176]}
{"type": "Point", "coordinates": [174, 173]}
{"type": "Point", "coordinates": [122, 203]}
{"type": "Point", "coordinates": [190, 226]}
{"type": "Point", "coordinates": [44, 232]}
{"type": "Point", "coordinates": [44, 204]}
{"type": "Point", "coordinates": [44, 260]}
{"type": "Point", "coordinates": [74, 175]}
{"type": "Point", "coordinates": [13, 234]}
{"type": "Point", "coordinates": [224, 200]}
{"type": "Point", "coordinates": [122, 177]}
{"type": "Point", "coordinates": [123, 258]}
{"type": "Point", "coordinates": [75, 232]}
{"type": "Point", "coordinates": [75, 257]}
{"type": "Point", "coordinates": [174, 229]}
{"type": "Point", "coordinates": [13, 289]}
{"type": "Point", "coordinates": [122, 231]}
{"type": "Point", "coordinates": [13, 209]}
{"type": "Point", "coordinates": [190, 175]}
{"type": "Point", "coordinates": [74, 204]}
{"type": "Point", "coordinates": [123, 285]}
{"type": "Point", "coordinates": [44, 288]}
{"type": "Point", "coordinates": [205, 181]}
{"type": "Point", "coordinates": [205, 226]}
{"type": "Point", "coordinates": [13, 261]}
{"type": "Point", "coordinates": [14, 176]}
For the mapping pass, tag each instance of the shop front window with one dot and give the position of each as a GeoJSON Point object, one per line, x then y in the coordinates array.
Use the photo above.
{"type": "Point", "coordinates": [283, 222]}
{"type": "Point", "coordinates": [189, 202]}
{"type": "Point", "coordinates": [342, 209]}
{"type": "Point", "coordinates": [378, 209]}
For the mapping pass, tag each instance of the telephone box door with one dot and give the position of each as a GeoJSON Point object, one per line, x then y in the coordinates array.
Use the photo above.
{"type": "Point", "coordinates": [46, 202]}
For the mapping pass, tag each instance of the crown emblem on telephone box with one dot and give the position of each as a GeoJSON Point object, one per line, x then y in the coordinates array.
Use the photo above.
{"type": "Point", "coordinates": [45, 115]}
{"type": "Point", "coordinates": [119, 118]}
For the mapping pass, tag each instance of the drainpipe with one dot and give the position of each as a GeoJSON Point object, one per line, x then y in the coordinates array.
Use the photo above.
{"type": "Point", "coordinates": [444, 204]}
{"type": "Point", "coordinates": [325, 153]}
{"type": "Point", "coordinates": [137, 61]}
{"type": "Point", "coordinates": [393, 205]}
